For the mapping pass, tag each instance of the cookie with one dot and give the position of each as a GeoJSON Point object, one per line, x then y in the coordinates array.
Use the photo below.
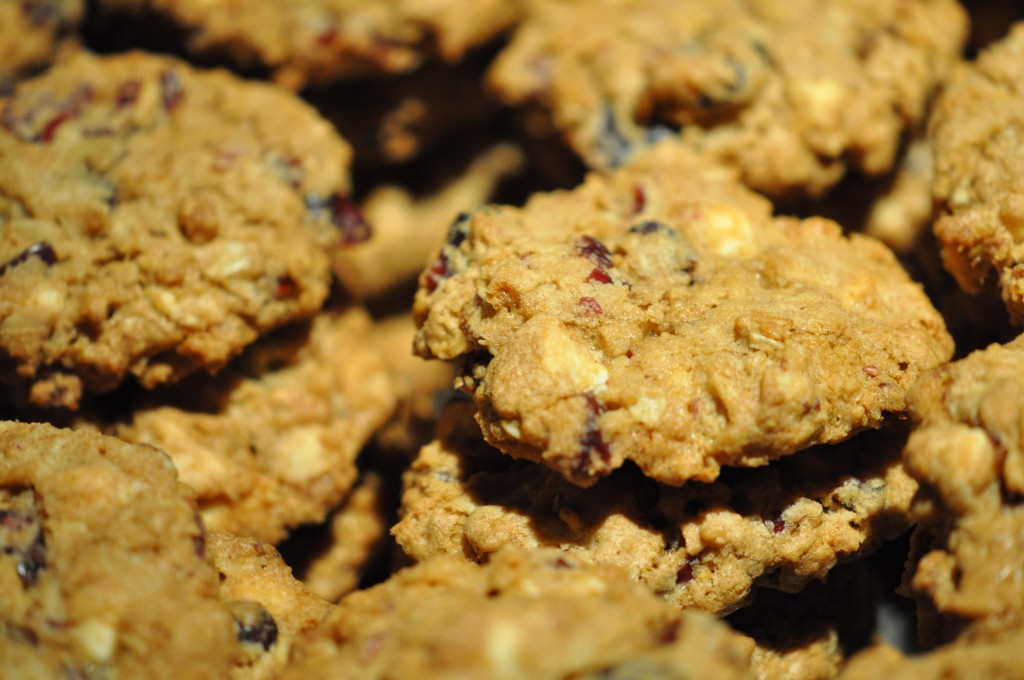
{"type": "Point", "coordinates": [974, 132]}
{"type": "Point", "coordinates": [358, 535]}
{"type": "Point", "coordinates": [318, 41]}
{"type": "Point", "coordinates": [269, 608]}
{"type": "Point", "coordinates": [967, 566]}
{"type": "Point", "coordinates": [699, 546]}
{"type": "Point", "coordinates": [791, 93]}
{"type": "Point", "coordinates": [102, 563]}
{"type": "Point", "coordinates": [32, 33]}
{"type": "Point", "coordinates": [660, 314]}
{"type": "Point", "coordinates": [155, 220]}
{"type": "Point", "coordinates": [271, 442]}
{"type": "Point", "coordinates": [408, 229]}
{"type": "Point", "coordinates": [982, 659]}
{"type": "Point", "coordinates": [522, 615]}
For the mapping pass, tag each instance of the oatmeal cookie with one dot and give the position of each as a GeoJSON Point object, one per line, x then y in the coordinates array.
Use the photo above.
{"type": "Point", "coordinates": [968, 660]}
{"type": "Point", "coordinates": [659, 314]}
{"type": "Point", "coordinates": [699, 546]}
{"type": "Point", "coordinates": [317, 41]}
{"type": "Point", "coordinates": [967, 566]}
{"type": "Point", "coordinates": [791, 93]}
{"type": "Point", "coordinates": [271, 442]}
{"type": "Point", "coordinates": [155, 219]}
{"type": "Point", "coordinates": [102, 564]}
{"type": "Point", "coordinates": [31, 34]}
{"type": "Point", "coordinates": [530, 615]}
{"type": "Point", "coordinates": [976, 132]}
{"type": "Point", "coordinates": [270, 609]}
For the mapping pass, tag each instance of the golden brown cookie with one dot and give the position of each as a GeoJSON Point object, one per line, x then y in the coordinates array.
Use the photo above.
{"type": "Point", "coordinates": [699, 546]}
{"type": "Point", "coordinates": [31, 34]}
{"type": "Point", "coordinates": [660, 314]}
{"type": "Point", "coordinates": [270, 609]}
{"type": "Point", "coordinates": [967, 566]}
{"type": "Point", "coordinates": [975, 132]}
{"type": "Point", "coordinates": [102, 564]}
{"type": "Point", "coordinates": [271, 442]}
{"type": "Point", "coordinates": [534, 615]}
{"type": "Point", "coordinates": [317, 41]}
{"type": "Point", "coordinates": [358, 534]}
{"type": "Point", "coordinates": [790, 93]}
{"type": "Point", "coordinates": [155, 220]}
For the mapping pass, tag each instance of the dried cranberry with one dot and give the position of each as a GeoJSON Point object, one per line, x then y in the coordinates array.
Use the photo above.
{"type": "Point", "coordinates": [287, 288]}
{"type": "Point", "coordinates": [595, 251]}
{"type": "Point", "coordinates": [127, 93]}
{"type": "Point", "coordinates": [598, 275]}
{"type": "Point", "coordinates": [171, 90]}
{"type": "Point", "coordinates": [438, 272]}
{"type": "Point", "coordinates": [349, 219]}
{"type": "Point", "coordinates": [589, 306]}
{"type": "Point", "coordinates": [42, 250]}
{"type": "Point", "coordinates": [639, 199]}
{"type": "Point", "coordinates": [592, 443]}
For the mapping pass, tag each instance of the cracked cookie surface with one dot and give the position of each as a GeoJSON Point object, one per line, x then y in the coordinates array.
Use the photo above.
{"type": "Point", "coordinates": [155, 220]}
{"type": "Point", "coordinates": [701, 546]}
{"type": "Point", "coordinates": [660, 314]}
{"type": "Point", "coordinates": [791, 93]}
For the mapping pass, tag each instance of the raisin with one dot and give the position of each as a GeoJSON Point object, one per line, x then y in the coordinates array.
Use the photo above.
{"type": "Point", "coordinates": [42, 250]}
{"type": "Point", "coordinates": [254, 624]}
{"type": "Point", "coordinates": [459, 230]}
{"type": "Point", "coordinates": [649, 227]}
{"type": "Point", "coordinates": [349, 219]}
{"type": "Point", "coordinates": [171, 90]}
{"type": "Point", "coordinates": [685, 573]}
{"type": "Point", "coordinates": [21, 534]}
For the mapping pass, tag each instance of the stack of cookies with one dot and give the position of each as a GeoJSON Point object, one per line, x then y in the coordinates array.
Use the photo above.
{"type": "Point", "coordinates": [533, 339]}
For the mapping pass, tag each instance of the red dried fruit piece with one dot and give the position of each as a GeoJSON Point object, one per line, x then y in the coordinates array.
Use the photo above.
{"type": "Point", "coordinates": [599, 276]}
{"type": "Point", "coordinates": [438, 272]}
{"type": "Point", "coordinates": [171, 90]}
{"type": "Point", "coordinates": [639, 199]}
{"type": "Point", "coordinates": [42, 250]}
{"type": "Point", "coordinates": [127, 93]}
{"type": "Point", "coordinates": [595, 251]}
{"type": "Point", "coordinates": [287, 288]}
{"type": "Point", "coordinates": [595, 455]}
{"type": "Point", "coordinates": [349, 219]}
{"type": "Point", "coordinates": [589, 306]}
